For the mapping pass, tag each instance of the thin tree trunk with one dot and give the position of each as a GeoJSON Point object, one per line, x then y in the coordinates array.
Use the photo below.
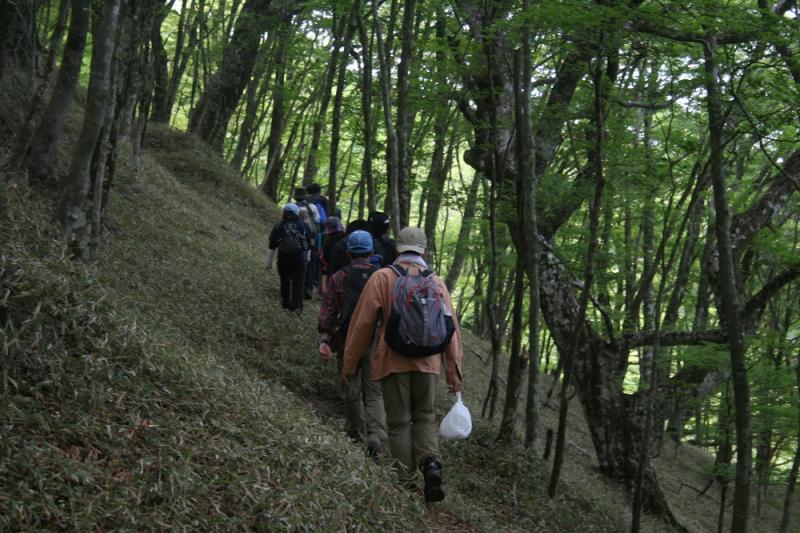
{"type": "Point", "coordinates": [791, 484]}
{"type": "Point", "coordinates": [340, 26]}
{"type": "Point", "coordinates": [730, 312]}
{"type": "Point", "coordinates": [596, 162]}
{"type": "Point", "coordinates": [366, 111]}
{"type": "Point", "coordinates": [463, 242]}
{"type": "Point", "coordinates": [336, 126]}
{"type": "Point", "coordinates": [391, 136]}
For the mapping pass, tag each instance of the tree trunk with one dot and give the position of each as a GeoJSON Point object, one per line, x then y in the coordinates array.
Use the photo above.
{"type": "Point", "coordinates": [41, 159]}
{"type": "Point", "coordinates": [403, 112]}
{"type": "Point", "coordinates": [209, 118]}
{"type": "Point", "coordinates": [336, 126]}
{"type": "Point", "coordinates": [791, 484]}
{"type": "Point", "coordinates": [17, 41]}
{"type": "Point", "coordinates": [275, 153]}
{"type": "Point", "coordinates": [340, 26]}
{"type": "Point", "coordinates": [72, 209]}
{"type": "Point", "coordinates": [366, 111]}
{"type": "Point", "coordinates": [730, 313]}
{"type": "Point", "coordinates": [463, 241]}
{"type": "Point", "coordinates": [391, 136]}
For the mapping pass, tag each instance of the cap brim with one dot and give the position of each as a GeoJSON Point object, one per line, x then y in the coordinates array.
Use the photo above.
{"type": "Point", "coordinates": [410, 248]}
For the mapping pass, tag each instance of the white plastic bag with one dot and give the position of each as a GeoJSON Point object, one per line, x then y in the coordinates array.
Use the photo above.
{"type": "Point", "coordinates": [457, 425]}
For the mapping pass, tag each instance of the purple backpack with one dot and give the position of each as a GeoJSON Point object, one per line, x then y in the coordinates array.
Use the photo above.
{"type": "Point", "coordinates": [420, 324]}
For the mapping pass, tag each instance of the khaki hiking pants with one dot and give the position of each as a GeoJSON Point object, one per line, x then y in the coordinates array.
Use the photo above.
{"type": "Point", "coordinates": [363, 405]}
{"type": "Point", "coordinates": [413, 431]}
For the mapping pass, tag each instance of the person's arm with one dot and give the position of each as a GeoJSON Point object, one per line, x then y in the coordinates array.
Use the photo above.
{"type": "Point", "coordinates": [328, 311]}
{"type": "Point", "coordinates": [359, 332]}
{"type": "Point", "coordinates": [274, 238]}
{"type": "Point", "coordinates": [276, 235]}
{"type": "Point", "coordinates": [454, 353]}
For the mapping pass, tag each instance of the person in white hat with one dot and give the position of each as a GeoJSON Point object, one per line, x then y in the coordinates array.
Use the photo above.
{"type": "Point", "coordinates": [408, 381]}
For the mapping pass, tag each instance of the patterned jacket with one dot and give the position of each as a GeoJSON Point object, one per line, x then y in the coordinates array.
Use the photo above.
{"type": "Point", "coordinates": [333, 303]}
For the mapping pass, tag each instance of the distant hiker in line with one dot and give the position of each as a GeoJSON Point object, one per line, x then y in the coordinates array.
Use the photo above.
{"type": "Point", "coordinates": [321, 202]}
{"type": "Point", "coordinates": [316, 217]}
{"type": "Point", "coordinates": [334, 232]}
{"type": "Point", "coordinates": [363, 397]}
{"type": "Point", "coordinates": [418, 324]}
{"type": "Point", "coordinates": [339, 258]}
{"type": "Point", "coordinates": [378, 227]}
{"type": "Point", "coordinates": [291, 238]}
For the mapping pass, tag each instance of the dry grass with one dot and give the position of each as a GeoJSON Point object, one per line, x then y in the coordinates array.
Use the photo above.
{"type": "Point", "coordinates": [129, 399]}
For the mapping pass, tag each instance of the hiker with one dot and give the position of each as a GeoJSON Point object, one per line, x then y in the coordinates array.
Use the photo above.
{"type": "Point", "coordinates": [292, 239]}
{"type": "Point", "coordinates": [305, 216]}
{"type": "Point", "coordinates": [339, 259]}
{"type": "Point", "coordinates": [321, 202]}
{"type": "Point", "coordinates": [378, 227]}
{"type": "Point", "coordinates": [334, 232]}
{"type": "Point", "coordinates": [303, 201]}
{"type": "Point", "coordinates": [362, 396]}
{"type": "Point", "coordinates": [407, 358]}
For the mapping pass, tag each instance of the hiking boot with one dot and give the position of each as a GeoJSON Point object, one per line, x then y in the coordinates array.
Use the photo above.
{"type": "Point", "coordinates": [432, 472]}
{"type": "Point", "coordinates": [374, 448]}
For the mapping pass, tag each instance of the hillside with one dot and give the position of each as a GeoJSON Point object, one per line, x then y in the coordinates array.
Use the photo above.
{"type": "Point", "coordinates": [165, 389]}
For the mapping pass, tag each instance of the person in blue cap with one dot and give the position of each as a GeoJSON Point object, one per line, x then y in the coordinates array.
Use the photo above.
{"type": "Point", "coordinates": [292, 240]}
{"type": "Point", "coordinates": [364, 412]}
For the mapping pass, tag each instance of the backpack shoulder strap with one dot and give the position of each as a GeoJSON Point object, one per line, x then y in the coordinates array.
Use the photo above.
{"type": "Point", "coordinates": [399, 270]}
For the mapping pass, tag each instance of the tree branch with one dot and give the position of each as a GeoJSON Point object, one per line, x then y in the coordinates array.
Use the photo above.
{"type": "Point", "coordinates": [674, 338]}
{"type": "Point", "coordinates": [747, 224]}
{"type": "Point", "coordinates": [752, 310]}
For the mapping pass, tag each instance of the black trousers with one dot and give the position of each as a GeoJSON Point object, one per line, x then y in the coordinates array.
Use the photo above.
{"type": "Point", "coordinates": [292, 271]}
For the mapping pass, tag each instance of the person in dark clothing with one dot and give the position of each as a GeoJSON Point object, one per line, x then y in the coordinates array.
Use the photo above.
{"type": "Point", "coordinates": [292, 240]}
{"type": "Point", "coordinates": [315, 196]}
{"type": "Point", "coordinates": [378, 227]}
{"type": "Point", "coordinates": [339, 258]}
{"type": "Point", "coordinates": [334, 232]}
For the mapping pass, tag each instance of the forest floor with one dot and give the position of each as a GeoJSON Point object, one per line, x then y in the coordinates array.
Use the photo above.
{"type": "Point", "coordinates": [166, 389]}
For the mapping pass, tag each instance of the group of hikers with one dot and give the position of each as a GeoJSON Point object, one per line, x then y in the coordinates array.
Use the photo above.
{"type": "Point", "coordinates": [387, 318]}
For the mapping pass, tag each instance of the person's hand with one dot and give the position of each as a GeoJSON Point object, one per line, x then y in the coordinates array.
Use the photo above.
{"type": "Point", "coordinates": [344, 379]}
{"type": "Point", "coordinates": [325, 350]}
{"type": "Point", "coordinates": [454, 387]}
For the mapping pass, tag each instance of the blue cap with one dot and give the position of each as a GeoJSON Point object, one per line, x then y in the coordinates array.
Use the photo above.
{"type": "Point", "coordinates": [359, 242]}
{"type": "Point", "coordinates": [292, 207]}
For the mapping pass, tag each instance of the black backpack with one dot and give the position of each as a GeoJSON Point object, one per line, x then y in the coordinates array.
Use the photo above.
{"type": "Point", "coordinates": [354, 281]}
{"type": "Point", "coordinates": [293, 240]}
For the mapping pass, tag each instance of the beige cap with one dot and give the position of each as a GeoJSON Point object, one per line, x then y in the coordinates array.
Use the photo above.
{"type": "Point", "coordinates": [412, 240]}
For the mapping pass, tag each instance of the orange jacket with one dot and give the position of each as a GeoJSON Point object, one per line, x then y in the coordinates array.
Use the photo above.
{"type": "Point", "coordinates": [376, 302]}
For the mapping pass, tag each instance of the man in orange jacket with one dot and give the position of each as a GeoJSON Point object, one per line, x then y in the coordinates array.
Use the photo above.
{"type": "Point", "coordinates": [408, 383]}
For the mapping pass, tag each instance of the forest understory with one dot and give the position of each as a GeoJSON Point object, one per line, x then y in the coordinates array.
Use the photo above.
{"type": "Point", "coordinates": [198, 403]}
{"type": "Point", "coordinates": [608, 189]}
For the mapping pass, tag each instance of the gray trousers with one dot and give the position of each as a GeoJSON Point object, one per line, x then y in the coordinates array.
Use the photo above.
{"type": "Point", "coordinates": [365, 417]}
{"type": "Point", "coordinates": [413, 431]}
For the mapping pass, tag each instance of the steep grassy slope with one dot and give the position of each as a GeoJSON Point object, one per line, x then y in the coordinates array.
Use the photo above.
{"type": "Point", "coordinates": [165, 389]}
{"type": "Point", "coordinates": [130, 400]}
